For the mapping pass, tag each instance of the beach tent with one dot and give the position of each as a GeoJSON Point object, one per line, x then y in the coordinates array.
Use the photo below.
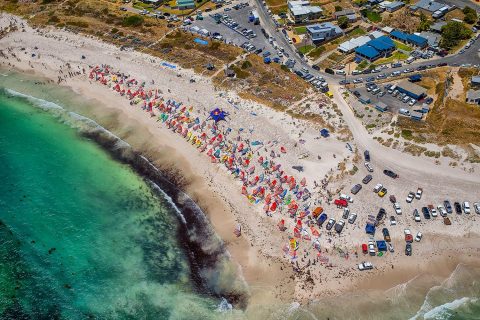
{"type": "Point", "coordinates": [381, 245]}
{"type": "Point", "coordinates": [218, 115]}
{"type": "Point", "coordinates": [324, 133]}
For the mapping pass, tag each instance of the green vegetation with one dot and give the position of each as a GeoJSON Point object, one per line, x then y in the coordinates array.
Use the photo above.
{"type": "Point", "coordinates": [300, 30]}
{"type": "Point", "coordinates": [397, 55]}
{"type": "Point", "coordinates": [305, 49]}
{"type": "Point", "coordinates": [343, 22]}
{"type": "Point", "coordinates": [338, 8]}
{"type": "Point", "coordinates": [424, 23]}
{"type": "Point", "coordinates": [453, 33]}
{"type": "Point", "coordinates": [357, 32]}
{"type": "Point", "coordinates": [470, 15]}
{"type": "Point", "coordinates": [317, 52]}
{"type": "Point", "coordinates": [373, 16]}
{"type": "Point", "coordinates": [362, 65]}
{"type": "Point", "coordinates": [402, 46]}
{"type": "Point", "coordinates": [132, 21]}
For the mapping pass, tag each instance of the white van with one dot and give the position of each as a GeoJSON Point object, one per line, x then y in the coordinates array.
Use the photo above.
{"type": "Point", "coordinates": [410, 60]}
{"type": "Point", "coordinates": [404, 112]}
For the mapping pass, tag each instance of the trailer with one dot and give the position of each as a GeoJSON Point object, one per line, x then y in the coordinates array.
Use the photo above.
{"type": "Point", "coordinates": [253, 17]}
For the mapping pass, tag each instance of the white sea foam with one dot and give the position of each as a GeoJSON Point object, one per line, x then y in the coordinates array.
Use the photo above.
{"type": "Point", "coordinates": [441, 312]}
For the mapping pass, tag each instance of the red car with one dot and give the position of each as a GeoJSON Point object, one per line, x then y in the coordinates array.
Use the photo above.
{"type": "Point", "coordinates": [341, 203]}
{"type": "Point", "coordinates": [364, 248]}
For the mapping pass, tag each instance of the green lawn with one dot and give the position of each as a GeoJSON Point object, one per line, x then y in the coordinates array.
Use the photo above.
{"type": "Point", "coordinates": [317, 52]}
{"type": "Point", "coordinates": [357, 32]}
{"type": "Point", "coordinates": [362, 65]}
{"type": "Point", "coordinates": [300, 30]}
{"type": "Point", "coordinates": [373, 16]}
{"type": "Point", "coordinates": [402, 46]}
{"type": "Point", "coordinates": [397, 55]}
{"type": "Point", "coordinates": [305, 49]}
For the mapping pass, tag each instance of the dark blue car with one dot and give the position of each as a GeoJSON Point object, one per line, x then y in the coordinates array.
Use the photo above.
{"type": "Point", "coordinates": [322, 219]}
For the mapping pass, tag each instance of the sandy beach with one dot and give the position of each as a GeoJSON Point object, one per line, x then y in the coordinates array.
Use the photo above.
{"type": "Point", "coordinates": [61, 58]}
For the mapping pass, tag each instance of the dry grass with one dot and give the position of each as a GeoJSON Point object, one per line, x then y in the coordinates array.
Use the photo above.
{"type": "Point", "coordinates": [401, 19]}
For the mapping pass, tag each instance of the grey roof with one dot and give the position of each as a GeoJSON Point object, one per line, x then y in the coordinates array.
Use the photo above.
{"type": "Point", "coordinates": [345, 12]}
{"type": "Point", "coordinates": [416, 114]}
{"type": "Point", "coordinates": [476, 79]}
{"type": "Point", "coordinates": [432, 38]}
{"type": "Point", "coordinates": [429, 5]}
{"type": "Point", "coordinates": [473, 94]}
{"type": "Point", "coordinates": [437, 26]}
{"type": "Point", "coordinates": [412, 87]}
{"type": "Point", "coordinates": [381, 105]}
{"type": "Point", "coordinates": [392, 5]}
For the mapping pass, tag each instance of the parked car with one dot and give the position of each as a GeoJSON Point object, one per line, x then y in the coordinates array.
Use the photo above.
{"type": "Point", "coordinates": [322, 219]}
{"type": "Point", "coordinates": [476, 206]}
{"type": "Point", "coordinates": [380, 215]}
{"type": "Point", "coordinates": [371, 248]}
{"type": "Point", "coordinates": [365, 266]}
{"type": "Point", "coordinates": [426, 213]}
{"type": "Point", "coordinates": [419, 236]}
{"type": "Point", "coordinates": [368, 166]}
{"type": "Point", "coordinates": [410, 197]}
{"type": "Point", "coordinates": [392, 198]}
{"type": "Point", "coordinates": [339, 226]}
{"type": "Point", "coordinates": [356, 188]}
{"type": "Point", "coordinates": [346, 213]}
{"type": "Point", "coordinates": [366, 153]}
{"type": "Point", "coordinates": [432, 210]}
{"type": "Point", "coordinates": [419, 193]}
{"type": "Point", "coordinates": [345, 197]}
{"type": "Point", "coordinates": [442, 210]}
{"type": "Point", "coordinates": [458, 208]}
{"type": "Point", "coordinates": [386, 235]}
{"type": "Point", "coordinates": [390, 173]}
{"type": "Point", "coordinates": [382, 192]}
{"type": "Point", "coordinates": [393, 221]}
{"type": "Point", "coordinates": [416, 216]}
{"type": "Point", "coordinates": [396, 207]}
{"type": "Point", "coordinates": [330, 224]}
{"type": "Point", "coordinates": [352, 218]}
{"type": "Point", "coordinates": [367, 179]}
{"type": "Point", "coordinates": [408, 235]}
{"type": "Point", "coordinates": [377, 188]}
{"type": "Point", "coordinates": [448, 206]}
{"type": "Point", "coordinates": [408, 249]}
{"type": "Point", "coordinates": [390, 247]}
{"type": "Point", "coordinates": [466, 207]}
{"type": "Point", "coordinates": [364, 248]}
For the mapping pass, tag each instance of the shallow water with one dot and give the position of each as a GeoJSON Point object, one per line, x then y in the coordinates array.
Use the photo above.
{"type": "Point", "coordinates": [82, 235]}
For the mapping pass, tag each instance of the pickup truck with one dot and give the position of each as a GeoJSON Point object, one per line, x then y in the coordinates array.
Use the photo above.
{"type": "Point", "coordinates": [386, 235]}
{"type": "Point", "coordinates": [408, 235]}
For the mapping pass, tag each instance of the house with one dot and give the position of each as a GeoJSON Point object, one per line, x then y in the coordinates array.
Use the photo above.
{"type": "Point", "coordinates": [391, 6]}
{"type": "Point", "coordinates": [185, 4]}
{"type": "Point", "coordinates": [380, 106]}
{"type": "Point", "coordinates": [412, 39]}
{"type": "Point", "coordinates": [433, 39]}
{"type": "Point", "coordinates": [229, 73]}
{"type": "Point", "coordinates": [322, 32]}
{"type": "Point", "coordinates": [415, 115]}
{"type": "Point", "coordinates": [364, 99]}
{"type": "Point", "coordinates": [301, 11]}
{"type": "Point", "coordinates": [437, 26]}
{"type": "Point", "coordinates": [376, 48]}
{"type": "Point", "coordinates": [475, 81]}
{"type": "Point", "coordinates": [473, 96]}
{"type": "Point", "coordinates": [412, 90]}
{"type": "Point", "coordinates": [349, 13]}
{"type": "Point", "coordinates": [387, 30]}
{"type": "Point", "coordinates": [350, 45]}
{"type": "Point", "coordinates": [431, 7]}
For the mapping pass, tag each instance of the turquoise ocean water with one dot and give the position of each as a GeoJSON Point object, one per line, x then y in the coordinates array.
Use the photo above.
{"type": "Point", "coordinates": [82, 235]}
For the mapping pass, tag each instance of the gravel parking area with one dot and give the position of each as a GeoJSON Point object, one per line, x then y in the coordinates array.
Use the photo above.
{"type": "Point", "coordinates": [393, 103]}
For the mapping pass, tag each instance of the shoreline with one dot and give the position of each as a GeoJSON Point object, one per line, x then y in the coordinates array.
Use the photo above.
{"type": "Point", "coordinates": [261, 262]}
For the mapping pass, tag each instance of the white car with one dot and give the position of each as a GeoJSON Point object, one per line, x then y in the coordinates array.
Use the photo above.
{"type": "Point", "coordinates": [476, 206]}
{"type": "Point", "coordinates": [419, 236]}
{"type": "Point", "coordinates": [377, 188]}
{"type": "Point", "coordinates": [419, 193]}
{"type": "Point", "coordinates": [371, 248]}
{"type": "Point", "coordinates": [433, 212]}
{"type": "Point", "coordinates": [442, 210]}
{"type": "Point", "coordinates": [368, 166]}
{"type": "Point", "coordinates": [416, 215]}
{"type": "Point", "coordinates": [396, 207]}
{"type": "Point", "coordinates": [390, 247]}
{"type": "Point", "coordinates": [393, 221]}
{"type": "Point", "coordinates": [345, 197]}
{"type": "Point", "coordinates": [410, 197]}
{"type": "Point", "coordinates": [352, 218]}
{"type": "Point", "coordinates": [466, 207]}
{"type": "Point", "coordinates": [365, 266]}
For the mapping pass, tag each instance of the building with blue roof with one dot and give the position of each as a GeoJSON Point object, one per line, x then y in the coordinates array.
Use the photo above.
{"type": "Point", "coordinates": [322, 32]}
{"type": "Point", "coordinates": [367, 52]}
{"type": "Point", "coordinates": [399, 35]}
{"type": "Point", "coordinates": [417, 41]}
{"type": "Point", "coordinates": [376, 48]}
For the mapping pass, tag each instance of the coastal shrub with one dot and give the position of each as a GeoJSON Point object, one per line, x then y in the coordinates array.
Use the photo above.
{"type": "Point", "coordinates": [53, 19]}
{"type": "Point", "coordinates": [114, 30]}
{"type": "Point", "coordinates": [407, 134]}
{"type": "Point", "coordinates": [132, 21]}
{"type": "Point", "coordinates": [246, 64]}
{"type": "Point", "coordinates": [80, 24]}
{"type": "Point", "coordinates": [284, 68]}
{"type": "Point", "coordinates": [214, 45]}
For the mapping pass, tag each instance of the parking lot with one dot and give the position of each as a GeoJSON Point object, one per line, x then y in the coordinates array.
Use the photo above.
{"type": "Point", "coordinates": [233, 35]}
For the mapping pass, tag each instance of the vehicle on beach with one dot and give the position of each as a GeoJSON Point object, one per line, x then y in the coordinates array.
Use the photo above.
{"type": "Point", "coordinates": [419, 236]}
{"type": "Point", "coordinates": [345, 197]}
{"type": "Point", "coordinates": [322, 219]}
{"type": "Point", "coordinates": [426, 213]}
{"type": "Point", "coordinates": [390, 247]}
{"type": "Point", "coordinates": [341, 203]}
{"type": "Point", "coordinates": [476, 206]}
{"type": "Point", "coordinates": [396, 207]}
{"type": "Point", "coordinates": [364, 248]}
{"type": "Point", "coordinates": [377, 188]}
{"type": "Point", "coordinates": [448, 206]}
{"type": "Point", "coordinates": [367, 179]}
{"type": "Point", "coordinates": [339, 226]}
{"type": "Point", "coordinates": [317, 212]}
{"type": "Point", "coordinates": [466, 207]}
{"type": "Point", "coordinates": [458, 207]}
{"type": "Point", "coordinates": [432, 210]}
{"type": "Point", "coordinates": [408, 235]}
{"type": "Point", "coordinates": [393, 221]}
{"type": "Point", "coordinates": [356, 188]}
{"type": "Point", "coordinates": [393, 199]}
{"type": "Point", "coordinates": [330, 224]}
{"type": "Point", "coordinates": [416, 215]}
{"type": "Point", "coordinates": [419, 193]}
{"type": "Point", "coordinates": [442, 210]}
{"type": "Point", "coordinates": [371, 248]}
{"type": "Point", "coordinates": [408, 249]}
{"type": "Point", "coordinates": [352, 218]}
{"type": "Point", "coordinates": [366, 153]}
{"type": "Point", "coordinates": [365, 266]}
{"type": "Point", "coordinates": [410, 197]}
{"type": "Point", "coordinates": [390, 173]}
{"type": "Point", "coordinates": [368, 166]}
{"type": "Point", "coordinates": [382, 192]}
{"type": "Point", "coordinates": [346, 213]}
{"type": "Point", "coordinates": [380, 215]}
{"type": "Point", "coordinates": [386, 235]}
